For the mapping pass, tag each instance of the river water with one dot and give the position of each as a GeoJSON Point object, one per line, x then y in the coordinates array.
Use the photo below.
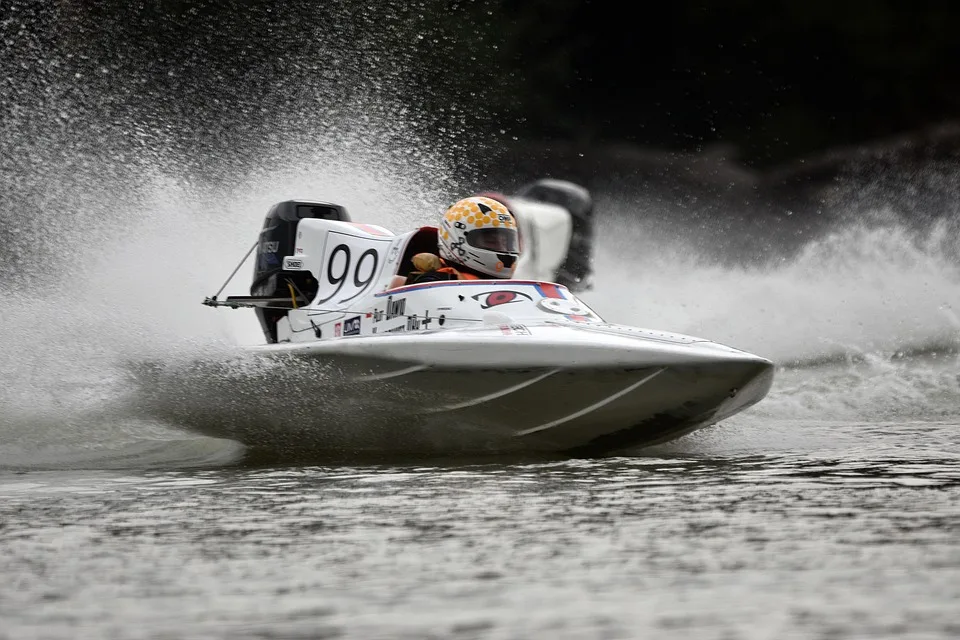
{"type": "Point", "coordinates": [706, 540]}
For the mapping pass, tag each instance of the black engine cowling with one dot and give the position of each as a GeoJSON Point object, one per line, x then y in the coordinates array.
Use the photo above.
{"type": "Point", "coordinates": [278, 239]}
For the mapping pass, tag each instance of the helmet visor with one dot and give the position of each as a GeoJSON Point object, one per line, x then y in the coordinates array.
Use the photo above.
{"type": "Point", "coordinates": [496, 240]}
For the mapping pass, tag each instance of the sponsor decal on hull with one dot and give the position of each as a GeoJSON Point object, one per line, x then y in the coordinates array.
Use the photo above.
{"type": "Point", "coordinates": [351, 326]}
{"type": "Point", "coordinates": [394, 309]}
{"type": "Point", "coordinates": [496, 298]}
{"type": "Point", "coordinates": [514, 330]}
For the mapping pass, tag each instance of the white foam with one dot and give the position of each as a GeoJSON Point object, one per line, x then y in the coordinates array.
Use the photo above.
{"type": "Point", "coordinates": [862, 288]}
{"type": "Point", "coordinates": [130, 266]}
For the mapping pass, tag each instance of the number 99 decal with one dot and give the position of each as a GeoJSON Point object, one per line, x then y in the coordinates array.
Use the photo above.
{"type": "Point", "coordinates": [348, 272]}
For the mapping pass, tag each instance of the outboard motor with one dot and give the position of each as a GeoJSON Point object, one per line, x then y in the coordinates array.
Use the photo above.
{"type": "Point", "coordinates": [277, 241]}
{"type": "Point", "coordinates": [576, 272]}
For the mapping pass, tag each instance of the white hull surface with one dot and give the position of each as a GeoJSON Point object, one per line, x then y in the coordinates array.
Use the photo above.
{"type": "Point", "coordinates": [546, 388]}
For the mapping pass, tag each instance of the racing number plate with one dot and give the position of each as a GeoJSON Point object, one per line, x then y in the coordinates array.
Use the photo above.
{"type": "Point", "coordinates": [351, 266]}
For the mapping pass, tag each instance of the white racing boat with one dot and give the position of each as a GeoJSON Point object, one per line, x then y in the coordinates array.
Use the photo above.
{"type": "Point", "coordinates": [473, 366]}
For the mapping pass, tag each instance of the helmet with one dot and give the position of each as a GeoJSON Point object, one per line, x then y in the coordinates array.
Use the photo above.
{"type": "Point", "coordinates": [481, 234]}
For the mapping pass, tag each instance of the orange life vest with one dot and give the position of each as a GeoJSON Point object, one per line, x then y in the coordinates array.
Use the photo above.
{"type": "Point", "coordinates": [460, 275]}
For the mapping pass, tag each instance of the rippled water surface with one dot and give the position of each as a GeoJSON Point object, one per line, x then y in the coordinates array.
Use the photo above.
{"type": "Point", "coordinates": [661, 545]}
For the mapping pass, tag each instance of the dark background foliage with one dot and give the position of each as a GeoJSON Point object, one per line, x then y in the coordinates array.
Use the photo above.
{"type": "Point", "coordinates": [779, 79]}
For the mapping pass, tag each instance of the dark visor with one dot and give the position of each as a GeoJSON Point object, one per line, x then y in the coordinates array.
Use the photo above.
{"type": "Point", "coordinates": [498, 240]}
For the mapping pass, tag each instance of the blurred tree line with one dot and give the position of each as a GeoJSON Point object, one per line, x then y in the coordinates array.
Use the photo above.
{"type": "Point", "coordinates": [777, 78]}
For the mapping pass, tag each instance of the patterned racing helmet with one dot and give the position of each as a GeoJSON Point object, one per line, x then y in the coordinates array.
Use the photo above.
{"type": "Point", "coordinates": [481, 234]}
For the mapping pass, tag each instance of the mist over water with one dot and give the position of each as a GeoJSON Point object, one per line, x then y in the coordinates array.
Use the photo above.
{"type": "Point", "coordinates": [129, 286]}
{"type": "Point", "coordinates": [120, 210]}
{"type": "Point", "coordinates": [861, 320]}
{"type": "Point", "coordinates": [864, 287]}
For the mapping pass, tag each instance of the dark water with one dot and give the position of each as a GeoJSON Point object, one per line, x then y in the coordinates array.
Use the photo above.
{"type": "Point", "coordinates": [782, 522]}
{"type": "Point", "coordinates": [679, 546]}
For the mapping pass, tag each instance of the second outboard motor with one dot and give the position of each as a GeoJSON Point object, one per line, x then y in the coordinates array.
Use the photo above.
{"type": "Point", "coordinates": [576, 272]}
{"type": "Point", "coordinates": [278, 239]}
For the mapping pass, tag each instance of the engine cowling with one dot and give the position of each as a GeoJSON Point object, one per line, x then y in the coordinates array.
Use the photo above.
{"type": "Point", "coordinates": [278, 238]}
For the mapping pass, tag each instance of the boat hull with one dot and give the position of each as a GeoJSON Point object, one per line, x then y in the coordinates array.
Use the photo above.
{"type": "Point", "coordinates": [531, 389]}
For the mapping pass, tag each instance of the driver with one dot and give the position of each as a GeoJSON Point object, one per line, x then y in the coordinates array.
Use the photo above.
{"type": "Point", "coordinates": [477, 238]}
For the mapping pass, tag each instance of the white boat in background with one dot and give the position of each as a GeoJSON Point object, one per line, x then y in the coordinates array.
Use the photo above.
{"type": "Point", "coordinates": [479, 366]}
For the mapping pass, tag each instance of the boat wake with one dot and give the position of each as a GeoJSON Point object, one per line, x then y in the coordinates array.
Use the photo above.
{"type": "Point", "coordinates": [867, 287]}
{"type": "Point", "coordinates": [860, 323]}
{"type": "Point", "coordinates": [114, 226]}
{"type": "Point", "coordinates": [106, 346]}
